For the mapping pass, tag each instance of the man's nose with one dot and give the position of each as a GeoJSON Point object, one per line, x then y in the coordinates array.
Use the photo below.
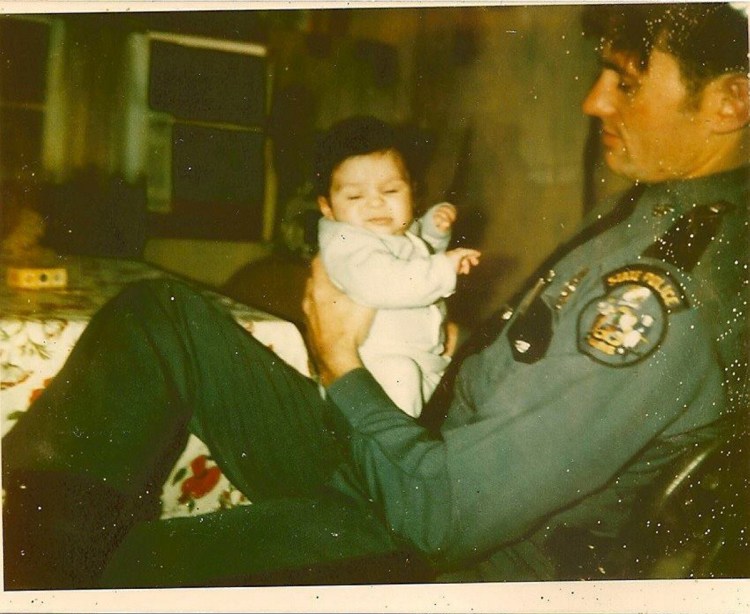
{"type": "Point", "coordinates": [598, 102]}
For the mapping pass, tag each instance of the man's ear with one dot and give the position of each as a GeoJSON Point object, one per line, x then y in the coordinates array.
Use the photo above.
{"type": "Point", "coordinates": [730, 95]}
{"type": "Point", "coordinates": [325, 207]}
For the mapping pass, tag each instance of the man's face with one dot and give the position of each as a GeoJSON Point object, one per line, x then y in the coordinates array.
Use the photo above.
{"type": "Point", "coordinates": [650, 130]}
{"type": "Point", "coordinates": [371, 191]}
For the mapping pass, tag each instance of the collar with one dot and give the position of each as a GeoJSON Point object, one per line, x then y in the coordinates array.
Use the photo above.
{"type": "Point", "coordinates": [679, 196]}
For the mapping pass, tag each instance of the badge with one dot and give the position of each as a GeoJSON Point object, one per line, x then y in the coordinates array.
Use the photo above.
{"type": "Point", "coordinates": [629, 321]}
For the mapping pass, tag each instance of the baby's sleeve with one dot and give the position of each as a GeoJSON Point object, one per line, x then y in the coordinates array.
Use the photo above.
{"type": "Point", "coordinates": [425, 227]}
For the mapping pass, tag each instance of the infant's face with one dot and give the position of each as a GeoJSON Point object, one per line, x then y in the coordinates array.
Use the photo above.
{"type": "Point", "coordinates": [372, 191]}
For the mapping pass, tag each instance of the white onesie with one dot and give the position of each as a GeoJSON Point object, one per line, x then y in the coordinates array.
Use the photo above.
{"type": "Point", "coordinates": [405, 277]}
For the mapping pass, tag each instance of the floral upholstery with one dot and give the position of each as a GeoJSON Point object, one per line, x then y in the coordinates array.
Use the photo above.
{"type": "Point", "coordinates": [38, 329]}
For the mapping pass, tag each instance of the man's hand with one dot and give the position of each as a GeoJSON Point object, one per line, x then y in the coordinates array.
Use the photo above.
{"type": "Point", "coordinates": [336, 325]}
{"type": "Point", "coordinates": [451, 339]}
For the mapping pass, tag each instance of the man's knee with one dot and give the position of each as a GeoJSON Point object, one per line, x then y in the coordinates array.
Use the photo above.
{"type": "Point", "coordinates": [150, 299]}
{"type": "Point", "coordinates": [161, 290]}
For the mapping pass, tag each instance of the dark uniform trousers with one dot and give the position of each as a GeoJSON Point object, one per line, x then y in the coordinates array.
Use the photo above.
{"type": "Point", "coordinates": [86, 463]}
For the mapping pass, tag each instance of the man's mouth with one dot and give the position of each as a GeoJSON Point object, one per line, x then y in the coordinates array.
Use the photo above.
{"type": "Point", "coordinates": [611, 139]}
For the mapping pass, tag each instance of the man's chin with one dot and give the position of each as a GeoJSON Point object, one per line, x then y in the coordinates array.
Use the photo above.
{"type": "Point", "coordinates": [617, 163]}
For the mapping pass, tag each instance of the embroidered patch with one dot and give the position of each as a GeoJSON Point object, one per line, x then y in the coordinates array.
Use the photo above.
{"type": "Point", "coordinates": [630, 320]}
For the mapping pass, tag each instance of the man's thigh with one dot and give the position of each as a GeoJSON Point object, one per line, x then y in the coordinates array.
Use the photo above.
{"type": "Point", "coordinates": [266, 425]}
{"type": "Point", "coordinates": [162, 359]}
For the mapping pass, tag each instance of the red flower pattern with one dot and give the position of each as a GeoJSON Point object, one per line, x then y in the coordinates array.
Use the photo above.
{"type": "Point", "coordinates": [203, 480]}
{"type": "Point", "coordinates": [36, 393]}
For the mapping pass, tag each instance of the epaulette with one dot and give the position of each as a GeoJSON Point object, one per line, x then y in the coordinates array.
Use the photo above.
{"type": "Point", "coordinates": [686, 240]}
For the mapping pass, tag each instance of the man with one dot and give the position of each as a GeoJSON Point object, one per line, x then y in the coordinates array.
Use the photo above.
{"type": "Point", "coordinates": [628, 349]}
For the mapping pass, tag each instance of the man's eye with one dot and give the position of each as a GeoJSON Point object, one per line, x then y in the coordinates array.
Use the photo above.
{"type": "Point", "coordinates": [353, 196]}
{"type": "Point", "coordinates": [626, 86]}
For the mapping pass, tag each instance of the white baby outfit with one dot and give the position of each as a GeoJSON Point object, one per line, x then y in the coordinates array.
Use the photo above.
{"type": "Point", "coordinates": [406, 278]}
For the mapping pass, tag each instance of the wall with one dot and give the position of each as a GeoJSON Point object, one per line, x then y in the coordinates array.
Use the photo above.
{"type": "Point", "coordinates": [209, 262]}
{"type": "Point", "coordinates": [502, 88]}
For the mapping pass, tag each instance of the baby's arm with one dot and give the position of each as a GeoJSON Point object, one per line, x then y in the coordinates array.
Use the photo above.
{"type": "Point", "coordinates": [435, 225]}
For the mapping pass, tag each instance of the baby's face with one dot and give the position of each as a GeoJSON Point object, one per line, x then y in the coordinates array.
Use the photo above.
{"type": "Point", "coordinates": [372, 191]}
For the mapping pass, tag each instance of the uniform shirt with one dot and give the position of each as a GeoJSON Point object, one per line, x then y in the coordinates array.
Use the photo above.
{"type": "Point", "coordinates": [644, 349]}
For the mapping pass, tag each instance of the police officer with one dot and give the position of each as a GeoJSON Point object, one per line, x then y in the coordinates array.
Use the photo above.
{"type": "Point", "coordinates": [628, 348]}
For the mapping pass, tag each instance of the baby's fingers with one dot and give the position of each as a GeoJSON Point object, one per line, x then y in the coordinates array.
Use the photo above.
{"type": "Point", "coordinates": [448, 212]}
{"type": "Point", "coordinates": [444, 216]}
{"type": "Point", "coordinates": [468, 260]}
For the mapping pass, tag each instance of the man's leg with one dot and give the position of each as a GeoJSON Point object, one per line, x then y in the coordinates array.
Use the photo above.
{"type": "Point", "coordinates": [325, 540]}
{"type": "Point", "coordinates": [88, 460]}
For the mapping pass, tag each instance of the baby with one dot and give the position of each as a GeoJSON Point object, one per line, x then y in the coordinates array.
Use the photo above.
{"type": "Point", "coordinates": [374, 250]}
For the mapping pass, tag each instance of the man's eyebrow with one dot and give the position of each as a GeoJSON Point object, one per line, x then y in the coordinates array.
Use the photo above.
{"type": "Point", "coordinates": [610, 65]}
{"type": "Point", "coordinates": [625, 67]}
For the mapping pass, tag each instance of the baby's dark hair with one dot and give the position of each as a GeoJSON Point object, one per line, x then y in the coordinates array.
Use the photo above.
{"type": "Point", "coordinates": [355, 136]}
{"type": "Point", "coordinates": [707, 39]}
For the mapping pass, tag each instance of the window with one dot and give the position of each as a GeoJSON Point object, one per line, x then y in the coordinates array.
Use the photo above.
{"type": "Point", "coordinates": [208, 157]}
{"type": "Point", "coordinates": [24, 50]}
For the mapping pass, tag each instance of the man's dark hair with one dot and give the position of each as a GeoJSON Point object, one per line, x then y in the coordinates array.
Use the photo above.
{"type": "Point", "coordinates": [707, 39]}
{"type": "Point", "coordinates": [355, 136]}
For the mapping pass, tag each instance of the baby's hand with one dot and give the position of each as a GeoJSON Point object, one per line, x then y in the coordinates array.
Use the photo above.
{"type": "Point", "coordinates": [464, 259]}
{"type": "Point", "coordinates": [444, 216]}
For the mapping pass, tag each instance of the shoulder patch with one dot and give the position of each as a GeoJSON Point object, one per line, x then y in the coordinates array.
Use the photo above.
{"type": "Point", "coordinates": [684, 243]}
{"type": "Point", "coordinates": [630, 319]}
